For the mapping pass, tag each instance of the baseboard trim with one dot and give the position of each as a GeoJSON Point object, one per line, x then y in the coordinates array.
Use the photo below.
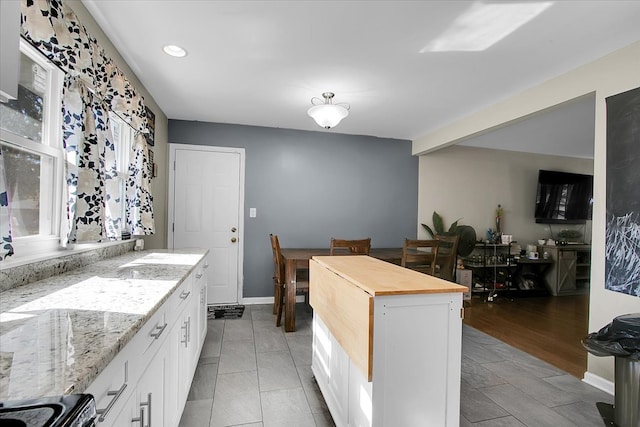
{"type": "Point", "coordinates": [266, 300]}
{"type": "Point", "coordinates": [599, 383]}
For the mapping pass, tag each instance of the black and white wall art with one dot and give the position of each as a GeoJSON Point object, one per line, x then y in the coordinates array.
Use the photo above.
{"type": "Point", "coordinates": [622, 256]}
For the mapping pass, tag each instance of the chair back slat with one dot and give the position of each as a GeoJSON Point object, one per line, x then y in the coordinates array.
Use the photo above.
{"type": "Point", "coordinates": [447, 256]}
{"type": "Point", "coordinates": [279, 285]}
{"type": "Point", "coordinates": [350, 247]}
{"type": "Point", "coordinates": [278, 265]}
{"type": "Point", "coordinates": [420, 255]}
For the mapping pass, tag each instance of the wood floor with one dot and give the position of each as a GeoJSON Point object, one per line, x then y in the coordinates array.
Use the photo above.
{"type": "Point", "coordinates": [549, 328]}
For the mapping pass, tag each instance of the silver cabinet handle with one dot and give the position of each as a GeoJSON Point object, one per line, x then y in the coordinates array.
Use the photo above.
{"type": "Point", "coordinates": [206, 265]}
{"type": "Point", "coordinates": [186, 336]}
{"type": "Point", "coordinates": [140, 419]}
{"type": "Point", "coordinates": [199, 275]}
{"type": "Point", "coordinates": [160, 330]}
{"type": "Point", "coordinates": [185, 294]}
{"type": "Point", "coordinates": [116, 395]}
{"type": "Point", "coordinates": [148, 405]}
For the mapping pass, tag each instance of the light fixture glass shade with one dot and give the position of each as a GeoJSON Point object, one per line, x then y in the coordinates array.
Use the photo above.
{"type": "Point", "coordinates": [326, 113]}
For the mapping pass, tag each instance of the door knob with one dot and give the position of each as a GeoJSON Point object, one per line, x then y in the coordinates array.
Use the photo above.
{"type": "Point", "coordinates": [233, 240]}
{"type": "Point", "coordinates": [233, 229]}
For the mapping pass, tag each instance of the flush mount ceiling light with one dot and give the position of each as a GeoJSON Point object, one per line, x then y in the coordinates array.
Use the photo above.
{"type": "Point", "coordinates": [326, 113]}
{"type": "Point", "coordinates": [174, 50]}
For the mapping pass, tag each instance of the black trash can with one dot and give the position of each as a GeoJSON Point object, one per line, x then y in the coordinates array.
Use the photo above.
{"type": "Point", "coordinates": [621, 339]}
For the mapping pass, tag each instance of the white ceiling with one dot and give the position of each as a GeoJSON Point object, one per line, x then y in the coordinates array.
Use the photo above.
{"type": "Point", "coordinates": [260, 62]}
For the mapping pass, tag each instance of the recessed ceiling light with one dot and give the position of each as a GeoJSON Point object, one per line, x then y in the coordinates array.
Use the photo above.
{"type": "Point", "coordinates": [174, 50]}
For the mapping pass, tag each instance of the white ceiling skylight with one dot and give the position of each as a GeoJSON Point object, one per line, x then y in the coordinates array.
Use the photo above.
{"type": "Point", "coordinates": [485, 24]}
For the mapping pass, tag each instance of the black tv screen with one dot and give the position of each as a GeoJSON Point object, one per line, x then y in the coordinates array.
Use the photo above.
{"type": "Point", "coordinates": [563, 197]}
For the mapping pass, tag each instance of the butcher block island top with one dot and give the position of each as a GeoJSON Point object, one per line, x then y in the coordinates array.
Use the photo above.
{"type": "Point", "coordinates": [336, 295]}
{"type": "Point", "coordinates": [378, 278]}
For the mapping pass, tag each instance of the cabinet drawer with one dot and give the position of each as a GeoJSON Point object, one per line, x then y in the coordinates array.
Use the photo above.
{"type": "Point", "coordinates": [201, 271]}
{"type": "Point", "coordinates": [179, 300]}
{"type": "Point", "coordinates": [154, 332]}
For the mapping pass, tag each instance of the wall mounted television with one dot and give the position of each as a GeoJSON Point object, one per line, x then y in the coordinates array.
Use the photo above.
{"type": "Point", "coordinates": [563, 198]}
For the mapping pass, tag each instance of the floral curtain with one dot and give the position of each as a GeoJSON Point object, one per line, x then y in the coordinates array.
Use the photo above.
{"type": "Point", "coordinates": [6, 248]}
{"type": "Point", "coordinates": [91, 174]}
{"type": "Point", "coordinates": [93, 87]}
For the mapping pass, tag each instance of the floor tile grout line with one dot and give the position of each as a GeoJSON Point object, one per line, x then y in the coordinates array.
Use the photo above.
{"type": "Point", "coordinates": [224, 327]}
{"type": "Point", "coordinates": [255, 352]}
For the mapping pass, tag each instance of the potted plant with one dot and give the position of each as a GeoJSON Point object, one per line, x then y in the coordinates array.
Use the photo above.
{"type": "Point", "coordinates": [466, 233]}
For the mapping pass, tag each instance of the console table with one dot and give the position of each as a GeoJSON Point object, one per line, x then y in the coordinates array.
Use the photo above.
{"type": "Point", "coordinates": [571, 271]}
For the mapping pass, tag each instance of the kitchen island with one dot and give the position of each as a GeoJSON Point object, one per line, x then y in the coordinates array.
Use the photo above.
{"type": "Point", "coordinates": [72, 332]}
{"type": "Point", "coordinates": [386, 343]}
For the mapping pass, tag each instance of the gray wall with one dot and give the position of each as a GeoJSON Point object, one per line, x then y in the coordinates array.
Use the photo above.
{"type": "Point", "coordinates": [310, 186]}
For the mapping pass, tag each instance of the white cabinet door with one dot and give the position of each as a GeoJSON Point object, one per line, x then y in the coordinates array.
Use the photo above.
{"type": "Point", "coordinates": [182, 355]}
{"type": "Point", "coordinates": [416, 359]}
{"type": "Point", "coordinates": [360, 398]}
{"type": "Point", "coordinates": [182, 352]}
{"type": "Point", "coordinates": [172, 407]}
{"type": "Point", "coordinates": [150, 392]}
{"type": "Point", "coordinates": [207, 193]}
{"type": "Point", "coordinates": [330, 365]}
{"type": "Point", "coordinates": [192, 351]}
{"type": "Point", "coordinates": [130, 416]}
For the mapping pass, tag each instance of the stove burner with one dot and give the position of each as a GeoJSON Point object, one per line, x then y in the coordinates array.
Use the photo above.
{"type": "Point", "coordinates": [29, 416]}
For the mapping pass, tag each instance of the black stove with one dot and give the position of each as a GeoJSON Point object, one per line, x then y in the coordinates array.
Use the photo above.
{"type": "Point", "coordinates": [74, 410]}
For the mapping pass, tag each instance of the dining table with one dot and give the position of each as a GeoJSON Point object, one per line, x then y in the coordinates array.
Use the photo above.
{"type": "Point", "coordinates": [298, 259]}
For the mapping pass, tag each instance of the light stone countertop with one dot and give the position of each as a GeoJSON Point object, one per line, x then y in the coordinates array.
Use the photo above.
{"type": "Point", "coordinates": [59, 333]}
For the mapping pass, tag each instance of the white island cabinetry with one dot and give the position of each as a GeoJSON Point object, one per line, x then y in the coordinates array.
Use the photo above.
{"type": "Point", "coordinates": [386, 343]}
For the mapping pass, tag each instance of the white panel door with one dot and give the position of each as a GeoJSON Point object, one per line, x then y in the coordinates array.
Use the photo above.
{"type": "Point", "coordinates": [206, 211]}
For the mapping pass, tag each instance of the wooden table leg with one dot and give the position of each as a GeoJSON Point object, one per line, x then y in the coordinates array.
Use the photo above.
{"type": "Point", "coordinates": [290, 296]}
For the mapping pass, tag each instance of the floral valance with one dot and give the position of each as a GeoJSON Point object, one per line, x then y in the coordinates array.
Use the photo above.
{"type": "Point", "coordinates": [93, 87]}
{"type": "Point", "coordinates": [53, 28]}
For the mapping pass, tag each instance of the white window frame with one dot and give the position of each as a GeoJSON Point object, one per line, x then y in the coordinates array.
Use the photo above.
{"type": "Point", "coordinates": [51, 145]}
{"type": "Point", "coordinates": [123, 145]}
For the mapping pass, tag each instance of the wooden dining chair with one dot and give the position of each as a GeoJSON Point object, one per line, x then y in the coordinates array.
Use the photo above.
{"type": "Point", "coordinates": [350, 247]}
{"type": "Point", "coordinates": [279, 285]}
{"type": "Point", "coordinates": [447, 256]}
{"type": "Point", "coordinates": [420, 255]}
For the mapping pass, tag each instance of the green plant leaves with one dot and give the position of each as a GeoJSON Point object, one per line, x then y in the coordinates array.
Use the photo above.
{"type": "Point", "coordinates": [429, 230]}
{"type": "Point", "coordinates": [467, 233]}
{"type": "Point", "coordinates": [438, 224]}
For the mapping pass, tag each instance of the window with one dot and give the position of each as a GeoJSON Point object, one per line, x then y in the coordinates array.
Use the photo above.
{"type": "Point", "coordinates": [122, 140]}
{"type": "Point", "coordinates": [30, 136]}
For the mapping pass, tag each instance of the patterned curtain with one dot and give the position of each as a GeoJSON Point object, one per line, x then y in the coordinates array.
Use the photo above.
{"type": "Point", "coordinates": [93, 87]}
{"type": "Point", "coordinates": [90, 167]}
{"type": "Point", "coordinates": [6, 248]}
{"type": "Point", "coordinates": [139, 198]}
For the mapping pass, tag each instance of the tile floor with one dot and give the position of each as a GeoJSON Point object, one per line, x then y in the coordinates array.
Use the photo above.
{"type": "Point", "coordinates": [252, 374]}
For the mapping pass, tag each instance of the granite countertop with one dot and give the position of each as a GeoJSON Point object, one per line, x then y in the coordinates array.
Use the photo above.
{"type": "Point", "coordinates": [59, 333]}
